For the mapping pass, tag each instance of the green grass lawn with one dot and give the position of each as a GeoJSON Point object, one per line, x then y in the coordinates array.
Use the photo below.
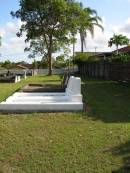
{"type": "Point", "coordinates": [7, 89]}
{"type": "Point", "coordinates": [95, 141]}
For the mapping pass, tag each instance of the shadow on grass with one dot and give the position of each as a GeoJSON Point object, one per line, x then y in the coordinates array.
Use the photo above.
{"type": "Point", "coordinates": [107, 100]}
{"type": "Point", "coordinates": [52, 81]}
{"type": "Point", "coordinates": [124, 152]}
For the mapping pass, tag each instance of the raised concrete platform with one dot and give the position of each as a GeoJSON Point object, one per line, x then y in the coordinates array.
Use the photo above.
{"type": "Point", "coordinates": [71, 100]}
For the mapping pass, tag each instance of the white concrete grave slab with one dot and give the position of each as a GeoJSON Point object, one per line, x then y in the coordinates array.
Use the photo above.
{"type": "Point", "coordinates": [70, 100]}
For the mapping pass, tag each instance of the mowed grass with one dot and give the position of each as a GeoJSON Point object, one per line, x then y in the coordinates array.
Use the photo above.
{"type": "Point", "coordinates": [7, 89]}
{"type": "Point", "coordinates": [94, 141]}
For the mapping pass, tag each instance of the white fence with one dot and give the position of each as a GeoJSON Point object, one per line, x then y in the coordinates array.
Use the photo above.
{"type": "Point", "coordinates": [39, 71]}
{"type": "Point", "coordinates": [18, 72]}
{"type": "Point", "coordinates": [57, 71]}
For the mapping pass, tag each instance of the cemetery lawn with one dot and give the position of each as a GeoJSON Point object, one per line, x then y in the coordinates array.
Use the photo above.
{"type": "Point", "coordinates": [94, 141]}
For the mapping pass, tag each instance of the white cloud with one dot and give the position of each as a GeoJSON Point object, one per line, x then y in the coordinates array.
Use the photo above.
{"type": "Point", "coordinates": [13, 27]}
{"type": "Point", "coordinates": [100, 41]}
{"type": "Point", "coordinates": [12, 47]}
{"type": "Point", "coordinates": [126, 27]}
{"type": "Point", "coordinates": [2, 32]}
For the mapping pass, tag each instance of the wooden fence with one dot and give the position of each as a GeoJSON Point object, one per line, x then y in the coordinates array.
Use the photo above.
{"type": "Point", "coordinates": [118, 71]}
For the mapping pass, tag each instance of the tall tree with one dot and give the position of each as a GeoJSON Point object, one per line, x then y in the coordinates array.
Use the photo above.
{"type": "Point", "coordinates": [118, 40]}
{"type": "Point", "coordinates": [8, 64]}
{"type": "Point", "coordinates": [88, 21]}
{"type": "Point", "coordinates": [48, 24]}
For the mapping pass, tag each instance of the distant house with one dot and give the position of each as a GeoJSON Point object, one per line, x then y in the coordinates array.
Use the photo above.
{"type": "Point", "coordinates": [106, 55]}
{"type": "Point", "coordinates": [97, 55]}
{"type": "Point", "coordinates": [24, 66]}
{"type": "Point", "coordinates": [88, 53]}
{"type": "Point", "coordinates": [102, 56]}
{"type": "Point", "coordinates": [125, 49]}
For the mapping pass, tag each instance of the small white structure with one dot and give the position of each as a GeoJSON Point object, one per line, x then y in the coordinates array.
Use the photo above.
{"type": "Point", "coordinates": [25, 74]}
{"type": "Point", "coordinates": [17, 79]}
{"type": "Point", "coordinates": [71, 100]}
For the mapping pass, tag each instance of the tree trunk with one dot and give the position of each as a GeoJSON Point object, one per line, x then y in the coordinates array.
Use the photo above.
{"type": "Point", "coordinates": [117, 52]}
{"type": "Point", "coordinates": [50, 63]}
{"type": "Point", "coordinates": [73, 50]}
{"type": "Point", "coordinates": [82, 45]}
{"type": "Point", "coordinates": [73, 53]}
{"type": "Point", "coordinates": [50, 57]}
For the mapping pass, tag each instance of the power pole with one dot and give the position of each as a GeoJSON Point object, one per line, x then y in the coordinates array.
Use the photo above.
{"type": "Point", "coordinates": [95, 49]}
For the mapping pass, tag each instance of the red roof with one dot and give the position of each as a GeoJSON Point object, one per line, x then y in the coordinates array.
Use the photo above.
{"type": "Point", "coordinates": [124, 49]}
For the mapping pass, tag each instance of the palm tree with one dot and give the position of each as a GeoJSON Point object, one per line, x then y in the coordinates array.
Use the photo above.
{"type": "Point", "coordinates": [118, 40]}
{"type": "Point", "coordinates": [88, 21]}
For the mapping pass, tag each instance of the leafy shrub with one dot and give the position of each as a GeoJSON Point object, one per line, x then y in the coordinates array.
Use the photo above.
{"type": "Point", "coordinates": [82, 57]}
{"type": "Point", "coordinates": [121, 57]}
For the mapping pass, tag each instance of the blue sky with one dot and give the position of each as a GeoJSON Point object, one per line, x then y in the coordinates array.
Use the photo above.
{"type": "Point", "coordinates": [115, 15]}
{"type": "Point", "coordinates": [5, 7]}
{"type": "Point", "coordinates": [115, 11]}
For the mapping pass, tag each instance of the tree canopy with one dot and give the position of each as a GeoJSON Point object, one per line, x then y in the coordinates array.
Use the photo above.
{"type": "Point", "coordinates": [48, 24]}
{"type": "Point", "coordinates": [118, 40]}
{"type": "Point", "coordinates": [51, 25]}
{"type": "Point", "coordinates": [88, 21]}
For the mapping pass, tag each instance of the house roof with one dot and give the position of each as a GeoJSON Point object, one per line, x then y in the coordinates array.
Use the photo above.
{"type": "Point", "coordinates": [24, 66]}
{"type": "Point", "coordinates": [106, 54]}
{"type": "Point", "coordinates": [125, 49]}
{"type": "Point", "coordinates": [21, 66]}
{"type": "Point", "coordinates": [101, 55]}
